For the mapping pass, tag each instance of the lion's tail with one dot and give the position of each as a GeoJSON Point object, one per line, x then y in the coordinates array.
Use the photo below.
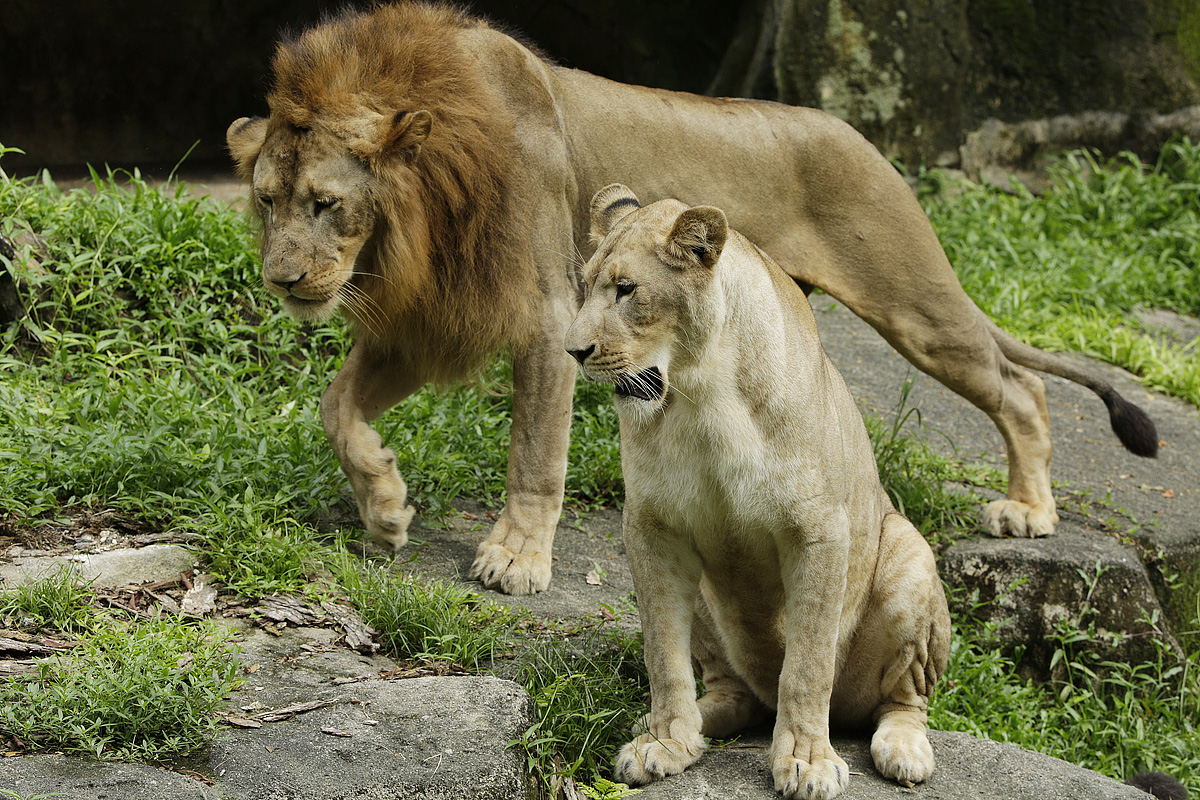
{"type": "Point", "coordinates": [1130, 423]}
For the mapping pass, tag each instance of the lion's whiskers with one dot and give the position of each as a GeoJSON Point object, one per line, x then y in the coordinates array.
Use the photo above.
{"type": "Point", "coordinates": [364, 308]}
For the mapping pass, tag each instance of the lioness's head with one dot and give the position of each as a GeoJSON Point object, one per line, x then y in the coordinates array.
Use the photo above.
{"type": "Point", "coordinates": [314, 188]}
{"type": "Point", "coordinates": [649, 300]}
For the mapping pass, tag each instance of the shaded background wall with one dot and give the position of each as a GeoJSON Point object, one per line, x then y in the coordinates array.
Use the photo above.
{"type": "Point", "coordinates": [136, 83]}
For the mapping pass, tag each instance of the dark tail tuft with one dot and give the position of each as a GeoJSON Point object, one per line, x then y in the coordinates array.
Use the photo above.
{"type": "Point", "coordinates": [1132, 426]}
{"type": "Point", "coordinates": [1161, 786]}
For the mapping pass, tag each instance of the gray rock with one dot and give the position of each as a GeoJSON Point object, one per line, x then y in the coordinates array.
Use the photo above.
{"type": "Point", "coordinates": [915, 77]}
{"type": "Point", "coordinates": [1031, 588]}
{"type": "Point", "coordinates": [967, 769]}
{"type": "Point", "coordinates": [108, 569]}
{"type": "Point", "coordinates": [68, 778]}
{"type": "Point", "coordinates": [386, 740]}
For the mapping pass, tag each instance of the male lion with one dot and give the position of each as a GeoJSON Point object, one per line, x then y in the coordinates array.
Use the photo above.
{"type": "Point", "coordinates": [760, 539]}
{"type": "Point", "coordinates": [430, 176]}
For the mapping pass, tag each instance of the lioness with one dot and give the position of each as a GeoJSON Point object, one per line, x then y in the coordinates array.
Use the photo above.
{"type": "Point", "coordinates": [757, 531]}
{"type": "Point", "coordinates": [430, 177]}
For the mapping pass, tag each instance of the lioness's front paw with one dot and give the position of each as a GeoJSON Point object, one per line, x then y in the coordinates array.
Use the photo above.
{"type": "Point", "coordinates": [647, 758]}
{"type": "Point", "coordinates": [1019, 519]}
{"type": "Point", "coordinates": [902, 753]}
{"type": "Point", "coordinates": [815, 772]}
{"type": "Point", "coordinates": [511, 573]}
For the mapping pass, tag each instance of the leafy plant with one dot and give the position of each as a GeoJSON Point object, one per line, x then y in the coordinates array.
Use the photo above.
{"type": "Point", "coordinates": [423, 618]}
{"type": "Point", "coordinates": [57, 600]}
{"type": "Point", "coordinates": [132, 691]}
{"type": "Point", "coordinates": [588, 696]}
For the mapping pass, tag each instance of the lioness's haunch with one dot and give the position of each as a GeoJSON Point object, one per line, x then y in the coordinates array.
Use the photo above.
{"type": "Point", "coordinates": [430, 177]}
{"type": "Point", "coordinates": [760, 539]}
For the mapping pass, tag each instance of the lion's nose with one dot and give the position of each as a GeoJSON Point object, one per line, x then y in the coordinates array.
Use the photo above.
{"type": "Point", "coordinates": [581, 355]}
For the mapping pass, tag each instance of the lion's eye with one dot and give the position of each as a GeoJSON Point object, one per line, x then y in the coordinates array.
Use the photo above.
{"type": "Point", "coordinates": [325, 204]}
{"type": "Point", "coordinates": [264, 201]}
{"type": "Point", "coordinates": [624, 288]}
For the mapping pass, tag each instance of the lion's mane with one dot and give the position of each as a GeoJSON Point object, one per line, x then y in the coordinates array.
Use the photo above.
{"type": "Point", "coordinates": [453, 279]}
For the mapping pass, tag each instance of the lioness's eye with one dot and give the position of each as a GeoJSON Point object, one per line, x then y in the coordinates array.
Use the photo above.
{"type": "Point", "coordinates": [624, 288]}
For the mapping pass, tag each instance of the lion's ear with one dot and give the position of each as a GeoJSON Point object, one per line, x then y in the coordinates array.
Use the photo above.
{"type": "Point", "coordinates": [245, 139]}
{"type": "Point", "coordinates": [408, 132]}
{"type": "Point", "coordinates": [609, 206]}
{"type": "Point", "coordinates": [698, 236]}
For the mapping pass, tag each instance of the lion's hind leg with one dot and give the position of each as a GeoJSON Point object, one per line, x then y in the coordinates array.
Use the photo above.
{"type": "Point", "coordinates": [911, 621]}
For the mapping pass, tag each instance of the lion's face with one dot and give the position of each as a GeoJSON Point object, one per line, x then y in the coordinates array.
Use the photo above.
{"type": "Point", "coordinates": [649, 298]}
{"type": "Point", "coordinates": [315, 203]}
{"type": "Point", "coordinates": [316, 199]}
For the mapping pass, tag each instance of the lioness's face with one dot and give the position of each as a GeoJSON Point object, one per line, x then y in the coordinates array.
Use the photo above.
{"type": "Point", "coordinates": [646, 294]}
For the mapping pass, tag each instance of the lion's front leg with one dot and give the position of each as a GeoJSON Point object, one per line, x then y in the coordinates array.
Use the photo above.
{"type": "Point", "coordinates": [364, 388]}
{"type": "Point", "coordinates": [666, 576]}
{"type": "Point", "coordinates": [515, 557]}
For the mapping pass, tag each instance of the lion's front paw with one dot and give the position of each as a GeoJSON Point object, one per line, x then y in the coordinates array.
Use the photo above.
{"type": "Point", "coordinates": [1019, 519]}
{"type": "Point", "coordinates": [386, 516]}
{"type": "Point", "coordinates": [813, 772]}
{"type": "Point", "coordinates": [648, 758]}
{"type": "Point", "coordinates": [511, 573]}
{"type": "Point", "coordinates": [902, 753]}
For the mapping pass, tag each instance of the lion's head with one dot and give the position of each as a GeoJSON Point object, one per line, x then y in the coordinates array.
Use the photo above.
{"type": "Point", "coordinates": [650, 301]}
{"type": "Point", "coordinates": [317, 201]}
{"type": "Point", "coordinates": [384, 182]}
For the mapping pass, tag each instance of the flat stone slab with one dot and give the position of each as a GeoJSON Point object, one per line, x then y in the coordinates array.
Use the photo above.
{"type": "Point", "coordinates": [109, 569]}
{"type": "Point", "coordinates": [421, 738]}
{"type": "Point", "coordinates": [967, 769]}
{"type": "Point", "coordinates": [71, 778]}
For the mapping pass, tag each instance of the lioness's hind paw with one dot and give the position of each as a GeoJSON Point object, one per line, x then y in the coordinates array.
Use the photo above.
{"type": "Point", "coordinates": [1019, 519]}
{"type": "Point", "coordinates": [511, 573]}
{"type": "Point", "coordinates": [903, 754]}
{"type": "Point", "coordinates": [647, 759]}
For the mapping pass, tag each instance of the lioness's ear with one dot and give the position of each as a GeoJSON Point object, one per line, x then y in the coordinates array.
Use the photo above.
{"type": "Point", "coordinates": [408, 132]}
{"type": "Point", "coordinates": [698, 237]}
{"type": "Point", "coordinates": [609, 206]}
{"type": "Point", "coordinates": [245, 138]}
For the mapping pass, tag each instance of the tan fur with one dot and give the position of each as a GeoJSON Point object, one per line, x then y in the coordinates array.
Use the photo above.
{"type": "Point", "coordinates": [760, 539]}
{"type": "Point", "coordinates": [431, 177]}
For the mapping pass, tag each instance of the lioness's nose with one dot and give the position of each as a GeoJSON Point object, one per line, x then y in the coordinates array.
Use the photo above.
{"type": "Point", "coordinates": [581, 355]}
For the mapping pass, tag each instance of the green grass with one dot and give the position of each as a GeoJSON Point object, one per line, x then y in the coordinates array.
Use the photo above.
{"type": "Point", "coordinates": [1067, 270]}
{"type": "Point", "coordinates": [1115, 718]}
{"type": "Point", "coordinates": [424, 619]}
{"type": "Point", "coordinates": [154, 377]}
{"type": "Point", "coordinates": [140, 691]}
{"type": "Point", "coordinates": [57, 601]}
{"type": "Point", "coordinates": [132, 690]}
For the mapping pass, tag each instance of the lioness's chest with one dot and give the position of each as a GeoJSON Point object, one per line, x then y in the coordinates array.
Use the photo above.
{"type": "Point", "coordinates": [712, 469]}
